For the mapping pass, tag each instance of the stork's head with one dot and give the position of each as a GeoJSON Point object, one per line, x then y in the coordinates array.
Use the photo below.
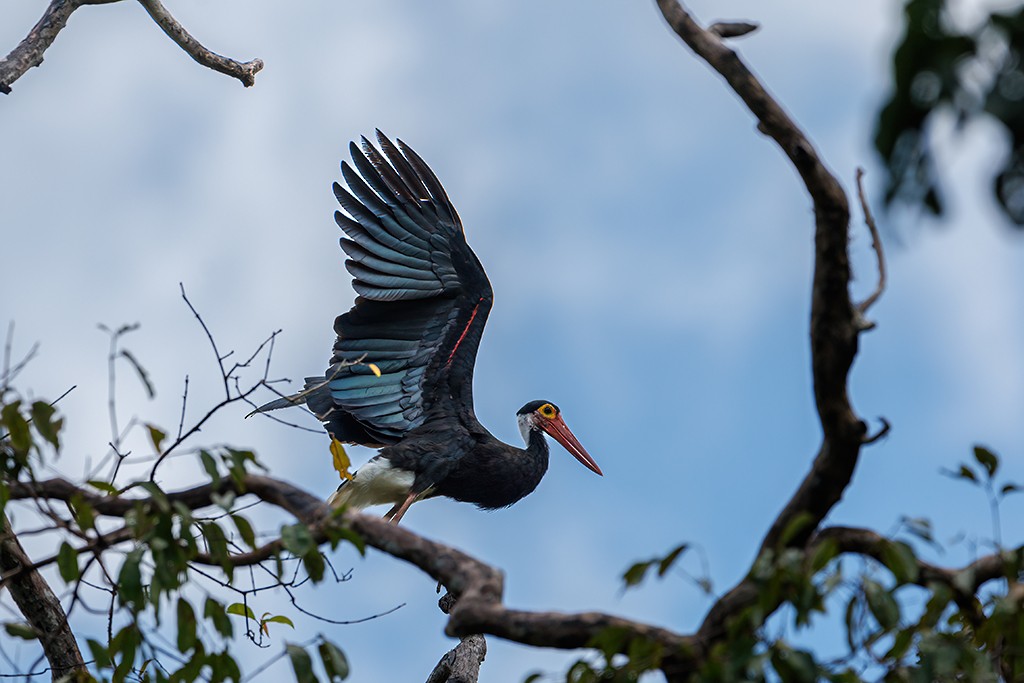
{"type": "Point", "coordinates": [546, 417]}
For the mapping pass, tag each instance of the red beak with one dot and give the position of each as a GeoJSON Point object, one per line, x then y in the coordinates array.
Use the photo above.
{"type": "Point", "coordinates": [561, 433]}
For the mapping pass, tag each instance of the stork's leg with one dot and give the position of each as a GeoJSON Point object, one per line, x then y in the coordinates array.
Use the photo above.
{"type": "Point", "coordinates": [394, 515]}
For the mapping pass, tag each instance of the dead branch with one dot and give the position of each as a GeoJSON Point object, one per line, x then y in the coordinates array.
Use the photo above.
{"type": "Point", "coordinates": [29, 52]}
{"type": "Point", "coordinates": [876, 245]}
{"type": "Point", "coordinates": [243, 71]}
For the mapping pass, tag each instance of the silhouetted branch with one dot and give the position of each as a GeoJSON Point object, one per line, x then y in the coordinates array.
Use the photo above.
{"type": "Point", "coordinates": [876, 245]}
{"type": "Point", "coordinates": [834, 319]}
{"type": "Point", "coordinates": [964, 581]}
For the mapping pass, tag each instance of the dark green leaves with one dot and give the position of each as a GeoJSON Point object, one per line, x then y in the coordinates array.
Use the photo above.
{"type": "Point", "coordinates": [302, 664]}
{"type": "Point", "coordinates": [297, 539]}
{"type": "Point", "coordinates": [215, 612]}
{"type": "Point", "coordinates": [67, 562]}
{"type": "Point", "coordinates": [882, 604]}
{"type": "Point", "coordinates": [334, 661]}
{"type": "Point", "coordinates": [186, 626]}
{"type": "Point", "coordinates": [129, 581]}
{"type": "Point", "coordinates": [636, 573]}
{"type": "Point", "coordinates": [20, 629]}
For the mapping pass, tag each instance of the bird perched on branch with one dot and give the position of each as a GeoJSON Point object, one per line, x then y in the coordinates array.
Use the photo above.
{"type": "Point", "coordinates": [401, 377]}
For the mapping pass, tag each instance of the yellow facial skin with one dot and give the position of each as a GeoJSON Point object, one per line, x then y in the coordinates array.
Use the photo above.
{"type": "Point", "coordinates": [547, 411]}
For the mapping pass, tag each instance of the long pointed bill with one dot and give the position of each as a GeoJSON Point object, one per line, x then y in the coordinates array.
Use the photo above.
{"type": "Point", "coordinates": [558, 430]}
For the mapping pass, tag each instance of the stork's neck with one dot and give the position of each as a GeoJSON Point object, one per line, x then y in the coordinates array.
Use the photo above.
{"type": "Point", "coordinates": [537, 446]}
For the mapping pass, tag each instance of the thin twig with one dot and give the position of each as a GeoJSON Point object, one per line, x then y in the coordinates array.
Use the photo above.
{"type": "Point", "coordinates": [876, 244]}
{"type": "Point", "coordinates": [243, 71]}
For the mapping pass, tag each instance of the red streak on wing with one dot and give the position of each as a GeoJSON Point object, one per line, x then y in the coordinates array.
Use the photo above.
{"type": "Point", "coordinates": [465, 331]}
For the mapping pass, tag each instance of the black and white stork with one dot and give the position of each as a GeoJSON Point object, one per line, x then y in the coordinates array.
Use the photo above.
{"type": "Point", "coordinates": [422, 305]}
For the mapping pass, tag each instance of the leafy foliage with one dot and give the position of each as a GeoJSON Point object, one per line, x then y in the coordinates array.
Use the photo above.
{"type": "Point", "coordinates": [940, 69]}
{"type": "Point", "coordinates": [161, 569]}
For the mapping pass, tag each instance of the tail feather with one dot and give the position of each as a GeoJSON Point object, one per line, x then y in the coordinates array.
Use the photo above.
{"type": "Point", "coordinates": [314, 394]}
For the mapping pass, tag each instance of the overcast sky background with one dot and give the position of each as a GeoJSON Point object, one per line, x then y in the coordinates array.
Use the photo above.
{"type": "Point", "coordinates": [649, 250]}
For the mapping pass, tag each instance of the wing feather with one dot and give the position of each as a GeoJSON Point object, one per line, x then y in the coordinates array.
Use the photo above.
{"type": "Point", "coordinates": [424, 299]}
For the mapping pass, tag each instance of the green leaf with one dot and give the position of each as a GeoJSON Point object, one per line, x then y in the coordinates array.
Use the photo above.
{"type": "Point", "coordinates": [964, 472]}
{"type": "Point", "coordinates": [635, 574]}
{"type": "Point", "coordinates": [825, 552]}
{"type": "Point", "coordinates": [901, 561]}
{"type": "Point", "coordinates": [245, 530]}
{"type": "Point", "coordinates": [210, 465]}
{"type": "Point", "coordinates": [278, 619]}
{"type": "Point", "coordinates": [882, 605]}
{"type": "Point", "coordinates": [109, 489]}
{"type": "Point", "coordinates": [214, 611]}
{"type": "Point", "coordinates": [186, 626]}
{"type": "Point", "coordinates": [100, 655]}
{"type": "Point", "coordinates": [84, 515]}
{"type": "Point", "coordinates": [129, 581]}
{"type": "Point", "coordinates": [20, 629]}
{"type": "Point", "coordinates": [17, 427]}
{"type": "Point", "coordinates": [67, 562]}
{"type": "Point", "coordinates": [796, 666]}
{"type": "Point", "coordinates": [800, 523]}
{"type": "Point", "coordinates": [302, 664]}
{"type": "Point", "coordinates": [296, 539]}
{"type": "Point", "coordinates": [156, 437]}
{"type": "Point", "coordinates": [334, 660]}
{"type": "Point", "coordinates": [241, 610]}
{"type": "Point", "coordinates": [141, 372]}
{"type": "Point", "coordinates": [666, 562]}
{"type": "Point", "coordinates": [987, 459]}
{"type": "Point", "coordinates": [46, 426]}
{"type": "Point", "coordinates": [1009, 488]}
{"type": "Point", "coordinates": [315, 566]}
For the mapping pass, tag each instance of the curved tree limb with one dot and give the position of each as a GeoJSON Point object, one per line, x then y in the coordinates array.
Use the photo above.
{"type": "Point", "coordinates": [243, 71]}
{"type": "Point", "coordinates": [834, 328]}
{"type": "Point", "coordinates": [29, 52]}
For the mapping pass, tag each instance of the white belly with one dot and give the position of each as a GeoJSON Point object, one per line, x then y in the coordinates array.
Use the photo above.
{"type": "Point", "coordinates": [376, 483]}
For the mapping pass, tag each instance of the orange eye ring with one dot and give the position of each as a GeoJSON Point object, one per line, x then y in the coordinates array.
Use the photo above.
{"type": "Point", "coordinates": [547, 410]}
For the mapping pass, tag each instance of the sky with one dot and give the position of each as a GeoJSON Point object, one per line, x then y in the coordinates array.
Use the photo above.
{"type": "Point", "coordinates": [650, 253]}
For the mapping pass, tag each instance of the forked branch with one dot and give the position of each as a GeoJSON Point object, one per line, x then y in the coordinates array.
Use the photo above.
{"type": "Point", "coordinates": [29, 52]}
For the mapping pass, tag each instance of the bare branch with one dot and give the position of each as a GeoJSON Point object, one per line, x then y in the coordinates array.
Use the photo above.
{"type": "Point", "coordinates": [876, 244]}
{"type": "Point", "coordinates": [40, 606]}
{"type": "Point", "coordinates": [243, 71]}
{"type": "Point", "coordinates": [834, 319]}
{"type": "Point", "coordinates": [29, 52]}
{"type": "Point", "coordinates": [462, 663]}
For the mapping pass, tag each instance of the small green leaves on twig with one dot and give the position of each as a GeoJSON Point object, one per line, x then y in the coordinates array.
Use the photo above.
{"type": "Point", "coordinates": [635, 574]}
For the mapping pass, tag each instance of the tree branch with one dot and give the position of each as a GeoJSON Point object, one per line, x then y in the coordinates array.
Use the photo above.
{"type": "Point", "coordinates": [965, 581]}
{"type": "Point", "coordinates": [834, 329]}
{"type": "Point", "coordinates": [39, 605]}
{"type": "Point", "coordinates": [29, 52]}
{"type": "Point", "coordinates": [477, 586]}
{"type": "Point", "coordinates": [243, 71]}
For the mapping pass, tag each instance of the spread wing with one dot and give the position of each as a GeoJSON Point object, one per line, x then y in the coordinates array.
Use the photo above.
{"type": "Point", "coordinates": [422, 305]}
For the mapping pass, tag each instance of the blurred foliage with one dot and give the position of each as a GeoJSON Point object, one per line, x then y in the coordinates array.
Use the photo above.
{"type": "Point", "coordinates": [163, 626]}
{"type": "Point", "coordinates": [939, 69]}
{"type": "Point", "coordinates": [899, 626]}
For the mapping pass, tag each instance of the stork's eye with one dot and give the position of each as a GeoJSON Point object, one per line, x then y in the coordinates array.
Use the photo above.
{"type": "Point", "coordinates": [547, 410]}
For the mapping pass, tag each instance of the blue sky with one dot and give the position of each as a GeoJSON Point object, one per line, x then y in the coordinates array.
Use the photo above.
{"type": "Point", "coordinates": [650, 254]}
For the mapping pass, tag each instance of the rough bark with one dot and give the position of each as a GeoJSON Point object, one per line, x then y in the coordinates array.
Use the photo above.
{"type": "Point", "coordinates": [39, 605]}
